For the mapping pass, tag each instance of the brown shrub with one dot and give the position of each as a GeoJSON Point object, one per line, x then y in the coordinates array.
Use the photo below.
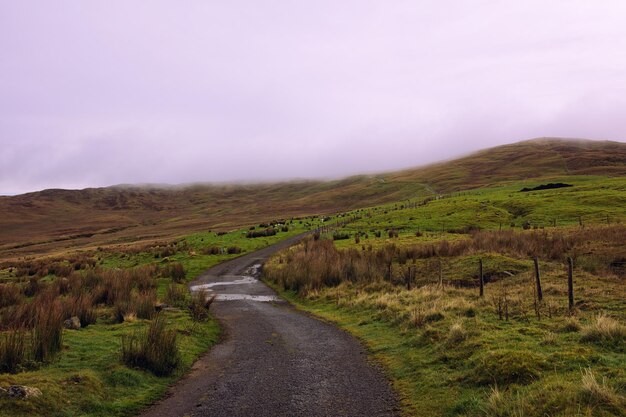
{"type": "Point", "coordinates": [12, 351]}
{"type": "Point", "coordinates": [199, 305]}
{"type": "Point", "coordinates": [82, 307]}
{"type": "Point", "coordinates": [176, 295]}
{"type": "Point", "coordinates": [47, 328]}
{"type": "Point", "coordinates": [175, 271]}
{"type": "Point", "coordinates": [10, 294]}
{"type": "Point", "coordinates": [155, 350]}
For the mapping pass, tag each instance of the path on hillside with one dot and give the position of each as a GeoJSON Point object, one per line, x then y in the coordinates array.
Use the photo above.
{"type": "Point", "coordinates": [274, 360]}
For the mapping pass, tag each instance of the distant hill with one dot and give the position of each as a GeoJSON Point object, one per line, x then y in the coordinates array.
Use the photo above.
{"type": "Point", "coordinates": [522, 160]}
{"type": "Point", "coordinates": [56, 219]}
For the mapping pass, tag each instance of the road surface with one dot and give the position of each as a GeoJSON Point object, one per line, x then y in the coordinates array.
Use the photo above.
{"type": "Point", "coordinates": [274, 360]}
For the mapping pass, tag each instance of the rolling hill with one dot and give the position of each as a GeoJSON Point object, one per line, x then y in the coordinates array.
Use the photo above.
{"type": "Point", "coordinates": [55, 220]}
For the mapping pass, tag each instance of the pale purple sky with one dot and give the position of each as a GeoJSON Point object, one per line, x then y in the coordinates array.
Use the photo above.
{"type": "Point", "coordinates": [96, 93]}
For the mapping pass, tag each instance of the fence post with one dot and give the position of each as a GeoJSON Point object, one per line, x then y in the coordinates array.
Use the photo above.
{"type": "Point", "coordinates": [538, 279]}
{"type": "Point", "coordinates": [480, 277]}
{"type": "Point", "coordinates": [570, 282]}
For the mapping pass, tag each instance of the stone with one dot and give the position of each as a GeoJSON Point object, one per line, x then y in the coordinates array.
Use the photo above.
{"type": "Point", "coordinates": [23, 392]}
{"type": "Point", "coordinates": [73, 323]}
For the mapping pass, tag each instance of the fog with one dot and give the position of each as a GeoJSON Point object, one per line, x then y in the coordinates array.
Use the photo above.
{"type": "Point", "coordinates": [105, 92]}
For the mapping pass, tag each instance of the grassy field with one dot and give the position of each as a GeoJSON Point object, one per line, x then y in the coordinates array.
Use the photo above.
{"type": "Point", "coordinates": [87, 376]}
{"type": "Point", "coordinates": [55, 221]}
{"type": "Point", "coordinates": [451, 352]}
{"type": "Point", "coordinates": [401, 273]}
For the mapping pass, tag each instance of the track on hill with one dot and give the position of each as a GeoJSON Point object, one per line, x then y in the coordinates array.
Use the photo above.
{"type": "Point", "coordinates": [274, 360]}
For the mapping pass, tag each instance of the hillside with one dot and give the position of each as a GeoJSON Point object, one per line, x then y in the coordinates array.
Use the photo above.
{"type": "Point", "coordinates": [54, 219]}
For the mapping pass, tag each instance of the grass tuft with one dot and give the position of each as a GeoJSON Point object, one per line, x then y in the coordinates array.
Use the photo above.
{"type": "Point", "coordinates": [155, 350]}
{"type": "Point", "coordinates": [604, 330]}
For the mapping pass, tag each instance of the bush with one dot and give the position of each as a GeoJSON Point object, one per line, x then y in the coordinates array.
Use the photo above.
{"type": "Point", "coordinates": [341, 235]}
{"type": "Point", "coordinates": [33, 287]}
{"type": "Point", "coordinates": [211, 250]}
{"type": "Point", "coordinates": [12, 351]}
{"type": "Point", "coordinates": [122, 312]}
{"type": "Point", "coordinates": [155, 350]}
{"type": "Point", "coordinates": [47, 330]}
{"type": "Point", "coordinates": [142, 304]}
{"type": "Point", "coordinates": [457, 334]}
{"type": "Point", "coordinates": [233, 250]}
{"type": "Point", "coordinates": [82, 307]}
{"type": "Point", "coordinates": [599, 393]}
{"type": "Point", "coordinates": [176, 271]}
{"type": "Point", "coordinates": [199, 305]}
{"type": "Point", "coordinates": [604, 330]}
{"type": "Point", "coordinates": [506, 367]}
{"type": "Point", "coordinates": [571, 325]}
{"type": "Point", "coordinates": [10, 294]}
{"type": "Point", "coordinates": [176, 295]}
{"type": "Point", "coordinates": [270, 231]}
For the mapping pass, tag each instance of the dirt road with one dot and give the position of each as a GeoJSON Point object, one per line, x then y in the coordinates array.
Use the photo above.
{"type": "Point", "coordinates": [274, 360]}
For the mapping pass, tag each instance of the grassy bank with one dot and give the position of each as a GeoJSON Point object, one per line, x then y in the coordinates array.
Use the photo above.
{"type": "Point", "coordinates": [414, 301]}
{"type": "Point", "coordinates": [454, 365]}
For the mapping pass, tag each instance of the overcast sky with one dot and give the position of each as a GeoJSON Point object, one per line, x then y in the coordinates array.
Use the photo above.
{"type": "Point", "coordinates": [96, 93]}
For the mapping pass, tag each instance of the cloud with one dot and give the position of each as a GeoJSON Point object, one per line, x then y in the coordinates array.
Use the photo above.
{"type": "Point", "coordinates": [99, 93]}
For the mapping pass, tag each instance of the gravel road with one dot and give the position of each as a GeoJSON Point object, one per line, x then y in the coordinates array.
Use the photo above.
{"type": "Point", "coordinates": [274, 360]}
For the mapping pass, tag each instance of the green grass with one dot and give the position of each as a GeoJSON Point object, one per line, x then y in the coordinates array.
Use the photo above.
{"type": "Point", "coordinates": [436, 378]}
{"type": "Point", "coordinates": [446, 351]}
{"type": "Point", "coordinates": [435, 373]}
{"type": "Point", "coordinates": [88, 378]}
{"type": "Point", "coordinates": [591, 199]}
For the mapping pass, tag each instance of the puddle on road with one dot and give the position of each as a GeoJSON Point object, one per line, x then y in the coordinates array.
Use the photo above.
{"type": "Point", "coordinates": [242, 281]}
{"type": "Point", "coordinates": [246, 297]}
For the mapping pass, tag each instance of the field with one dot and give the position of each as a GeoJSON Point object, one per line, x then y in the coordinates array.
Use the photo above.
{"type": "Point", "coordinates": [398, 261]}
{"type": "Point", "coordinates": [405, 280]}
{"type": "Point", "coordinates": [56, 221]}
{"type": "Point", "coordinates": [86, 373]}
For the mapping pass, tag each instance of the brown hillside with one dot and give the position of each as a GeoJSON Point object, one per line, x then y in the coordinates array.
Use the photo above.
{"type": "Point", "coordinates": [52, 220]}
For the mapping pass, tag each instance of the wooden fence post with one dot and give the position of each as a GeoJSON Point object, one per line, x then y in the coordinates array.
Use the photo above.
{"type": "Point", "coordinates": [538, 279]}
{"type": "Point", "coordinates": [570, 282]}
{"type": "Point", "coordinates": [480, 277]}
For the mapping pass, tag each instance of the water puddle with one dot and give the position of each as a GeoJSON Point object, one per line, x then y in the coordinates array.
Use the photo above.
{"type": "Point", "coordinates": [247, 279]}
{"type": "Point", "coordinates": [241, 281]}
{"type": "Point", "coordinates": [246, 297]}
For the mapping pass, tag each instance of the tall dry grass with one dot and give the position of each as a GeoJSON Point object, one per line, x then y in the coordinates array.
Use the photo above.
{"type": "Point", "coordinates": [155, 350]}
